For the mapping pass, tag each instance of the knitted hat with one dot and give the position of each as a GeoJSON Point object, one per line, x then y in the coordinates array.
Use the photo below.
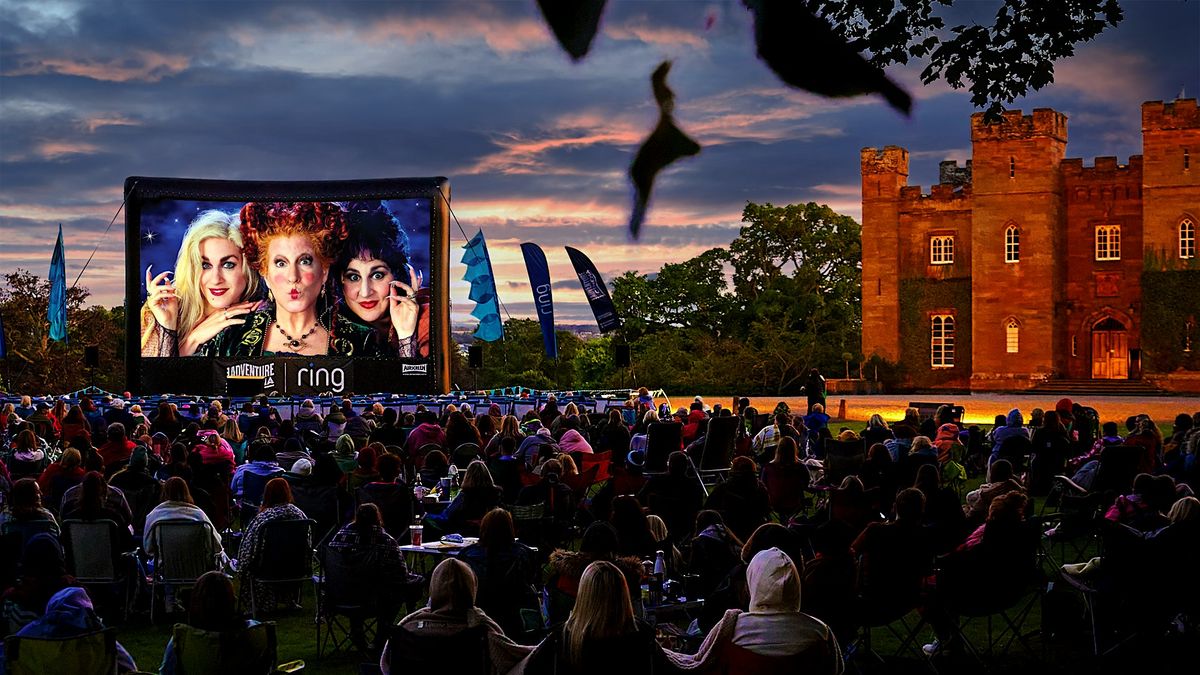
{"type": "Point", "coordinates": [302, 467]}
{"type": "Point", "coordinates": [344, 446]}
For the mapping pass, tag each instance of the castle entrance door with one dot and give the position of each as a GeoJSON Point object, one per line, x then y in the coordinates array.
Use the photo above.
{"type": "Point", "coordinates": [1110, 350]}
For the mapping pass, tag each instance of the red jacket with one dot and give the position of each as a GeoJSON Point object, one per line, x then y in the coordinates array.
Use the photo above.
{"type": "Point", "coordinates": [112, 451]}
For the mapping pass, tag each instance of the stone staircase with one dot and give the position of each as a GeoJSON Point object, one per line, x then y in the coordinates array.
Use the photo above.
{"type": "Point", "coordinates": [1099, 388]}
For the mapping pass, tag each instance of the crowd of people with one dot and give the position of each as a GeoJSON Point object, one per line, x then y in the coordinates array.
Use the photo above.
{"type": "Point", "coordinates": [814, 533]}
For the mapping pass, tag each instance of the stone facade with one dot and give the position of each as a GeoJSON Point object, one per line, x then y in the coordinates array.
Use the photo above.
{"type": "Point", "coordinates": [1037, 260]}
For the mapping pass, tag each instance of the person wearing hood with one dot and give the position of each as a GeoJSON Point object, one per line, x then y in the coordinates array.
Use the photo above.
{"type": "Point", "coordinates": [451, 610]}
{"type": "Point", "coordinates": [69, 613]}
{"type": "Point", "coordinates": [530, 446]}
{"type": "Point", "coordinates": [947, 444]}
{"type": "Point", "coordinates": [691, 428]}
{"type": "Point", "coordinates": [999, 482]}
{"type": "Point", "coordinates": [549, 411]}
{"type": "Point", "coordinates": [307, 418]}
{"type": "Point", "coordinates": [359, 427]}
{"type": "Point", "coordinates": [428, 432]}
{"type": "Point", "coordinates": [774, 636]}
{"type": "Point", "coordinates": [601, 636]}
{"type": "Point", "coordinates": [573, 441]}
{"type": "Point", "coordinates": [566, 568]}
{"type": "Point", "coordinates": [43, 572]}
{"type": "Point", "coordinates": [344, 453]}
{"type": "Point", "coordinates": [1014, 426]}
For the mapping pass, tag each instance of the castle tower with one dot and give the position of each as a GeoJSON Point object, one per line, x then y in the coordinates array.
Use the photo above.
{"type": "Point", "coordinates": [884, 172]}
{"type": "Point", "coordinates": [1170, 175]}
{"type": "Point", "coordinates": [1016, 290]}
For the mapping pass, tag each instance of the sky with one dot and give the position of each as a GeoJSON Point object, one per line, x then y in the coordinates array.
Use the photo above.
{"type": "Point", "coordinates": [536, 147]}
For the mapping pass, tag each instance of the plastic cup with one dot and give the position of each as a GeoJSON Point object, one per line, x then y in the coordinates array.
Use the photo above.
{"type": "Point", "coordinates": [415, 532]}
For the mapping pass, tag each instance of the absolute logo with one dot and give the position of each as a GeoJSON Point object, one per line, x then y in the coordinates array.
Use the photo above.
{"type": "Point", "coordinates": [414, 368]}
{"type": "Point", "coordinates": [593, 288]}
{"type": "Point", "coordinates": [264, 371]}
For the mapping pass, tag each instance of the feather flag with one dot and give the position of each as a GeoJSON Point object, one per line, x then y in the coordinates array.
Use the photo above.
{"type": "Point", "coordinates": [543, 300]}
{"type": "Point", "coordinates": [483, 289]}
{"type": "Point", "coordinates": [58, 291]}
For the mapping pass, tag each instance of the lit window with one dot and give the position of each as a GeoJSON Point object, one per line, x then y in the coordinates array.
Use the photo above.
{"type": "Point", "coordinates": [1187, 159]}
{"type": "Point", "coordinates": [942, 341]}
{"type": "Point", "coordinates": [1012, 337]}
{"type": "Point", "coordinates": [1012, 167]}
{"type": "Point", "coordinates": [941, 250]}
{"type": "Point", "coordinates": [1187, 238]}
{"type": "Point", "coordinates": [1012, 244]}
{"type": "Point", "coordinates": [1108, 242]}
{"type": "Point", "coordinates": [1074, 345]}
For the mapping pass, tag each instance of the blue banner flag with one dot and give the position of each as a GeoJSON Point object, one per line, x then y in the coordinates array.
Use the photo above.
{"type": "Point", "coordinates": [543, 300]}
{"type": "Point", "coordinates": [596, 291]}
{"type": "Point", "coordinates": [483, 289]}
{"type": "Point", "coordinates": [58, 291]}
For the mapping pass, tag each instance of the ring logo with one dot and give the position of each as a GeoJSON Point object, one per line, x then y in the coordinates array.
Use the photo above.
{"type": "Point", "coordinates": [414, 368]}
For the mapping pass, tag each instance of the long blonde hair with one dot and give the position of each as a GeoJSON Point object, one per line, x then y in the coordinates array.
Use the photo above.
{"type": "Point", "coordinates": [192, 305]}
{"type": "Point", "coordinates": [602, 609]}
{"type": "Point", "coordinates": [477, 476]}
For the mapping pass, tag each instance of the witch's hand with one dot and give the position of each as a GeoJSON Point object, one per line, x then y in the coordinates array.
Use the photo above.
{"type": "Point", "coordinates": [161, 298]}
{"type": "Point", "coordinates": [402, 304]}
{"type": "Point", "coordinates": [213, 324]}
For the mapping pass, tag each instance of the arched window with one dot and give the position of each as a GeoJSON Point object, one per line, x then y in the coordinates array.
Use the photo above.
{"type": "Point", "coordinates": [941, 345]}
{"type": "Point", "coordinates": [1012, 336]}
{"type": "Point", "coordinates": [1108, 242]}
{"type": "Point", "coordinates": [1012, 244]}
{"type": "Point", "coordinates": [1187, 238]}
{"type": "Point", "coordinates": [941, 250]}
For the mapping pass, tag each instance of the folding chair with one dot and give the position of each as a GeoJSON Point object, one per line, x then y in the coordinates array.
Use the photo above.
{"type": "Point", "coordinates": [662, 438]}
{"type": "Point", "coordinates": [346, 588]}
{"type": "Point", "coordinates": [88, 654]}
{"type": "Point", "coordinates": [94, 558]}
{"type": "Point", "coordinates": [287, 557]}
{"type": "Point", "coordinates": [719, 442]}
{"type": "Point", "coordinates": [395, 502]}
{"type": "Point", "coordinates": [413, 652]}
{"type": "Point", "coordinates": [843, 459]}
{"type": "Point", "coordinates": [464, 454]}
{"type": "Point", "coordinates": [183, 553]}
{"type": "Point", "coordinates": [253, 487]}
{"type": "Point", "coordinates": [251, 650]}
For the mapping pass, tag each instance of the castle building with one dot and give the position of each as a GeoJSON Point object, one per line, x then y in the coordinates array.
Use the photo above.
{"type": "Point", "coordinates": [1025, 266]}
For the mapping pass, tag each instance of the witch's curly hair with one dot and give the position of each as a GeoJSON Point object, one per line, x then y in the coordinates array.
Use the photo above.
{"type": "Point", "coordinates": [324, 223]}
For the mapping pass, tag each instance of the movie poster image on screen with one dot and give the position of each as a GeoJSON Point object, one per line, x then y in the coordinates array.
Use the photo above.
{"type": "Point", "coordinates": [191, 259]}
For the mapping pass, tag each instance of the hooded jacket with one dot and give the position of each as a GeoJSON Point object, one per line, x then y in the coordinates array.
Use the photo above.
{"type": "Point", "coordinates": [1014, 425]}
{"type": "Point", "coordinates": [774, 635]}
{"type": "Point", "coordinates": [573, 441]}
{"type": "Point", "coordinates": [69, 613]}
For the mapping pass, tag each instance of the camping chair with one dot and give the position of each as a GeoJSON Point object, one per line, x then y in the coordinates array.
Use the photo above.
{"type": "Point", "coordinates": [1080, 510]}
{"type": "Point", "coordinates": [464, 454]}
{"type": "Point", "coordinates": [253, 487]}
{"type": "Point", "coordinates": [843, 459]}
{"type": "Point", "coordinates": [601, 460]}
{"type": "Point", "coordinates": [321, 503]}
{"type": "Point", "coordinates": [287, 547]}
{"type": "Point", "coordinates": [719, 443]}
{"type": "Point", "coordinates": [1016, 449]}
{"type": "Point", "coordinates": [662, 438]}
{"type": "Point", "coordinates": [250, 650]}
{"type": "Point", "coordinates": [94, 558]}
{"type": "Point", "coordinates": [184, 552]}
{"type": "Point", "coordinates": [346, 589]}
{"type": "Point", "coordinates": [395, 502]}
{"type": "Point", "coordinates": [413, 652]}
{"type": "Point", "coordinates": [88, 654]}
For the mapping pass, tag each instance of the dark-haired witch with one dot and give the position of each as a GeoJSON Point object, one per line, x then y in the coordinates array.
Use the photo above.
{"type": "Point", "coordinates": [383, 307]}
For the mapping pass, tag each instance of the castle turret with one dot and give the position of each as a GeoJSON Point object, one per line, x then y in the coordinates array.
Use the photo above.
{"type": "Point", "coordinates": [884, 173]}
{"type": "Point", "coordinates": [1170, 173]}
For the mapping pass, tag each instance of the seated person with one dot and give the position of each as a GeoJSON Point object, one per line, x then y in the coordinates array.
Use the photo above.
{"type": "Point", "coordinates": [69, 613]}
{"type": "Point", "coordinates": [714, 551]}
{"type": "Point", "coordinates": [506, 571]}
{"type": "Point", "coordinates": [178, 504]}
{"type": "Point", "coordinates": [566, 567]}
{"type": "Point", "coordinates": [212, 608]}
{"type": "Point", "coordinates": [25, 505]}
{"type": "Point", "coordinates": [742, 499]}
{"type": "Point", "coordinates": [676, 496]}
{"type": "Point", "coordinates": [999, 482]}
{"type": "Point", "coordinates": [774, 636]}
{"type": "Point", "coordinates": [830, 580]}
{"type": "Point", "coordinates": [894, 557]}
{"type": "Point", "coordinates": [115, 506]}
{"type": "Point", "coordinates": [392, 495]}
{"type": "Point", "coordinates": [601, 635]}
{"type": "Point", "coordinates": [43, 572]}
{"type": "Point", "coordinates": [276, 506]}
{"type": "Point", "coordinates": [551, 491]}
{"type": "Point", "coordinates": [477, 496]}
{"type": "Point", "coordinates": [364, 539]}
{"type": "Point", "coordinates": [1145, 508]}
{"type": "Point", "coordinates": [451, 610]}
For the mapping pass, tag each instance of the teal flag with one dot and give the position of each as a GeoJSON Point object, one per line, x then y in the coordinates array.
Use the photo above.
{"type": "Point", "coordinates": [58, 291]}
{"type": "Point", "coordinates": [483, 289]}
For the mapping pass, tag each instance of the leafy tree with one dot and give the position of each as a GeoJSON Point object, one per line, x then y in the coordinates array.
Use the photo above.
{"type": "Point", "coordinates": [520, 359]}
{"type": "Point", "coordinates": [35, 362]}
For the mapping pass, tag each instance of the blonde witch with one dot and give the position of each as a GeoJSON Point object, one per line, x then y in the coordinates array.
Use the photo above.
{"type": "Point", "coordinates": [192, 305]}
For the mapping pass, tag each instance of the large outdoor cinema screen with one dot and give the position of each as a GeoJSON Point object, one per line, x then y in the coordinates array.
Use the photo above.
{"type": "Point", "coordinates": [295, 289]}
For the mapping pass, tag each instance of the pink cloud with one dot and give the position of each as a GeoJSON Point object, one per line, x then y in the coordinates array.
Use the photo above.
{"type": "Point", "coordinates": [95, 122]}
{"type": "Point", "coordinates": [135, 65]}
{"type": "Point", "coordinates": [664, 36]}
{"type": "Point", "coordinates": [502, 34]}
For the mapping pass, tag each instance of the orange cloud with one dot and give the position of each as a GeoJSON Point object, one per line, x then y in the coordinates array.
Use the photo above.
{"type": "Point", "coordinates": [503, 35]}
{"type": "Point", "coordinates": [61, 149]}
{"type": "Point", "coordinates": [136, 65]}
{"type": "Point", "coordinates": [660, 36]}
{"type": "Point", "coordinates": [107, 120]}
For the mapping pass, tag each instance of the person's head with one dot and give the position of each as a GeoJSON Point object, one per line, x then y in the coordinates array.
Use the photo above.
{"type": "Point", "coordinates": [75, 415]}
{"type": "Point", "coordinates": [1008, 509]}
{"type": "Point", "coordinates": [452, 587]}
{"type": "Point", "coordinates": [773, 580]}
{"type": "Point", "coordinates": [787, 451]}
{"type": "Point", "coordinates": [910, 505]}
{"type": "Point", "coordinates": [602, 609]}
{"type": "Point", "coordinates": [658, 527]}
{"type": "Point", "coordinates": [876, 422]}
{"type": "Point", "coordinates": [367, 516]}
{"type": "Point", "coordinates": [373, 257]}
{"type": "Point", "coordinates": [928, 480]}
{"type": "Point", "coordinates": [436, 462]}
{"type": "Point", "coordinates": [278, 492]}
{"type": "Point", "coordinates": [879, 454]}
{"type": "Point", "coordinates": [1109, 429]}
{"type": "Point", "coordinates": [211, 272]}
{"type": "Point", "coordinates": [677, 464]}
{"type": "Point", "coordinates": [389, 467]}
{"type": "Point", "coordinates": [25, 496]}
{"type": "Point", "coordinates": [1186, 510]}
{"type": "Point", "coordinates": [116, 432]}
{"type": "Point", "coordinates": [628, 517]}
{"type": "Point", "coordinates": [743, 466]}
{"type": "Point", "coordinates": [213, 605]}
{"type": "Point", "coordinates": [176, 490]}
{"type": "Point", "coordinates": [496, 530]}
{"type": "Point", "coordinates": [818, 408]}
{"type": "Point", "coordinates": [367, 458]}
{"type": "Point", "coordinates": [26, 440]}
{"type": "Point", "coordinates": [292, 245]}
{"type": "Point", "coordinates": [1000, 471]}
{"type": "Point", "coordinates": [70, 459]}
{"type": "Point", "coordinates": [920, 444]}
{"type": "Point", "coordinates": [477, 476]}
{"type": "Point", "coordinates": [773, 535]}
{"type": "Point", "coordinates": [1000, 421]}
{"type": "Point", "coordinates": [43, 557]}
{"type": "Point", "coordinates": [650, 417]}
{"type": "Point", "coordinates": [569, 468]}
